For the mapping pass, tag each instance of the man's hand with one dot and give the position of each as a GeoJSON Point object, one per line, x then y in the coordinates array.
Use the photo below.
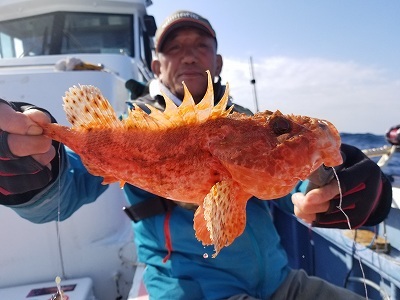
{"type": "Point", "coordinates": [25, 154]}
{"type": "Point", "coordinates": [24, 135]}
{"type": "Point", "coordinates": [366, 195]}
{"type": "Point", "coordinates": [306, 207]}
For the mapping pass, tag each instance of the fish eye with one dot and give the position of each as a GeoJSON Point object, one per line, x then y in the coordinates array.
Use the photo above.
{"type": "Point", "coordinates": [322, 125]}
{"type": "Point", "coordinates": [281, 126]}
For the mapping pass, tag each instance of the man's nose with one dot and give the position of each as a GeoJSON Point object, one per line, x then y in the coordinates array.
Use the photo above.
{"type": "Point", "coordinates": [189, 54]}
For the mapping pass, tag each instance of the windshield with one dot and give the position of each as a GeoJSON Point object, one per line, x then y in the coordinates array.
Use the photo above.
{"type": "Point", "coordinates": [67, 32]}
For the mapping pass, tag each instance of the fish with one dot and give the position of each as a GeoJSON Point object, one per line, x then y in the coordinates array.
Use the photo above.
{"type": "Point", "coordinates": [202, 154]}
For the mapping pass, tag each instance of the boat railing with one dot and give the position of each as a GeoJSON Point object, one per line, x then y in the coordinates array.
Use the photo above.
{"type": "Point", "coordinates": [385, 152]}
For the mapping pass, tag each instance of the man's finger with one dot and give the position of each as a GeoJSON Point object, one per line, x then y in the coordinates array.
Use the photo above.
{"type": "Point", "coordinates": [24, 145]}
{"type": "Point", "coordinates": [304, 205]}
{"type": "Point", "coordinates": [308, 218]}
{"type": "Point", "coordinates": [21, 123]}
{"type": "Point", "coordinates": [45, 158]}
{"type": "Point", "coordinates": [323, 194]}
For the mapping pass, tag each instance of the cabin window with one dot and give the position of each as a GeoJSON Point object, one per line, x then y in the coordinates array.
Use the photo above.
{"type": "Point", "coordinates": [97, 33]}
{"type": "Point", "coordinates": [67, 33]}
{"type": "Point", "coordinates": [25, 37]}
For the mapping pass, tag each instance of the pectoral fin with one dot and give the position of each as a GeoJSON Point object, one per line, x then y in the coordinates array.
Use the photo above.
{"type": "Point", "coordinates": [107, 179]}
{"type": "Point", "coordinates": [222, 216]}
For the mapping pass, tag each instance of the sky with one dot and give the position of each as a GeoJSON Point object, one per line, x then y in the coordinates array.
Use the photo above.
{"type": "Point", "coordinates": [337, 60]}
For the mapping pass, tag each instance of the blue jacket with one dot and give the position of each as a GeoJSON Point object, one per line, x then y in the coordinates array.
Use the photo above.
{"type": "Point", "coordinates": [255, 263]}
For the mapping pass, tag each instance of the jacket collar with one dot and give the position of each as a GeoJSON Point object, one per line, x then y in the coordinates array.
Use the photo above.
{"type": "Point", "coordinates": [156, 88]}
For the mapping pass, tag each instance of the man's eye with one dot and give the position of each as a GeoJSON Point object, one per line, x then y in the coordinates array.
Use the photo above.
{"type": "Point", "coordinates": [203, 46]}
{"type": "Point", "coordinates": [172, 48]}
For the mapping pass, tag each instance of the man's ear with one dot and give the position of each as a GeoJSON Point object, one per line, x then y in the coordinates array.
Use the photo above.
{"type": "Point", "coordinates": [155, 67]}
{"type": "Point", "coordinates": [219, 65]}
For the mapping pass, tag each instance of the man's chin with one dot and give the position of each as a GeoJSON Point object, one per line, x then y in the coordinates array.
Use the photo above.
{"type": "Point", "coordinates": [195, 84]}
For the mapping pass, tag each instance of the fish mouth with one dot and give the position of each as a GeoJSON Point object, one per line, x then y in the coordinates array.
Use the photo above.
{"type": "Point", "coordinates": [331, 155]}
{"type": "Point", "coordinates": [333, 159]}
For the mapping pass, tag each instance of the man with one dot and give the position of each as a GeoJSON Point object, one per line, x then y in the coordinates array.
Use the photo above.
{"type": "Point", "coordinates": [255, 265]}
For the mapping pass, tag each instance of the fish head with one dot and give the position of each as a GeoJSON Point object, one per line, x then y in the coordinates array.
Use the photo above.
{"type": "Point", "coordinates": [310, 141]}
{"type": "Point", "coordinates": [322, 136]}
{"type": "Point", "coordinates": [268, 153]}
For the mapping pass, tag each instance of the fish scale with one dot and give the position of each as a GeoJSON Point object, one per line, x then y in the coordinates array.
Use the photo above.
{"type": "Point", "coordinates": [198, 153]}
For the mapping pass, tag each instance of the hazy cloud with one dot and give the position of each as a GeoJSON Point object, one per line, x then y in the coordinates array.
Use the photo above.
{"type": "Point", "coordinates": [354, 97]}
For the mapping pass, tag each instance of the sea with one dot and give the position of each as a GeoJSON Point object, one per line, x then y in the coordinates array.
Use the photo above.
{"type": "Point", "coordinates": [369, 141]}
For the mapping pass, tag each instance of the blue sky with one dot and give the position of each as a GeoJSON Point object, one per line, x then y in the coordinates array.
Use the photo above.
{"type": "Point", "coordinates": [333, 59]}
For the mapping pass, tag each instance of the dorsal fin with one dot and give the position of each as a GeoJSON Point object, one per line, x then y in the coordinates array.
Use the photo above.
{"type": "Point", "coordinates": [220, 108]}
{"type": "Point", "coordinates": [204, 107]}
{"type": "Point", "coordinates": [187, 110]}
{"type": "Point", "coordinates": [138, 118]}
{"type": "Point", "coordinates": [187, 113]}
{"type": "Point", "coordinates": [86, 108]}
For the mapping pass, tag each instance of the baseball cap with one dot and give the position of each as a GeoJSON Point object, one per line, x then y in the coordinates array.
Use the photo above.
{"type": "Point", "coordinates": [181, 19]}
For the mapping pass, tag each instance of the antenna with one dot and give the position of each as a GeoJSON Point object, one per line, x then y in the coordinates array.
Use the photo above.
{"type": "Point", "coordinates": [253, 82]}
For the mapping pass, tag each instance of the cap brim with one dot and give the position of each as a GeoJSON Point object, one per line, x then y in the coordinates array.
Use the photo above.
{"type": "Point", "coordinates": [180, 24]}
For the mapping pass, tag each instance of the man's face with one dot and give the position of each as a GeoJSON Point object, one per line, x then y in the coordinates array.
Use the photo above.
{"type": "Point", "coordinates": [186, 55]}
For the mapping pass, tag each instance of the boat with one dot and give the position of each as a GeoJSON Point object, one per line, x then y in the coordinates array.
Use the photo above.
{"type": "Point", "coordinates": [47, 46]}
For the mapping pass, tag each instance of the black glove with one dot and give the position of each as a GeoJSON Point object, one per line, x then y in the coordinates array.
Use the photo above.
{"type": "Point", "coordinates": [20, 174]}
{"type": "Point", "coordinates": [21, 177]}
{"type": "Point", "coordinates": [367, 193]}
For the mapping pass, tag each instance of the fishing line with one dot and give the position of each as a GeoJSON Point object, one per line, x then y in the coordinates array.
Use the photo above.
{"type": "Point", "coordinates": [349, 224]}
{"type": "Point", "coordinates": [60, 252]}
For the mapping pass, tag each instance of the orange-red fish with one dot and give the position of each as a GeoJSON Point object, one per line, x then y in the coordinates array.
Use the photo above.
{"type": "Point", "coordinates": [198, 153]}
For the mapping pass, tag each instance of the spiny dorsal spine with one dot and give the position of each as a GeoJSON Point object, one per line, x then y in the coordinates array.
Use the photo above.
{"type": "Point", "coordinates": [87, 108]}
